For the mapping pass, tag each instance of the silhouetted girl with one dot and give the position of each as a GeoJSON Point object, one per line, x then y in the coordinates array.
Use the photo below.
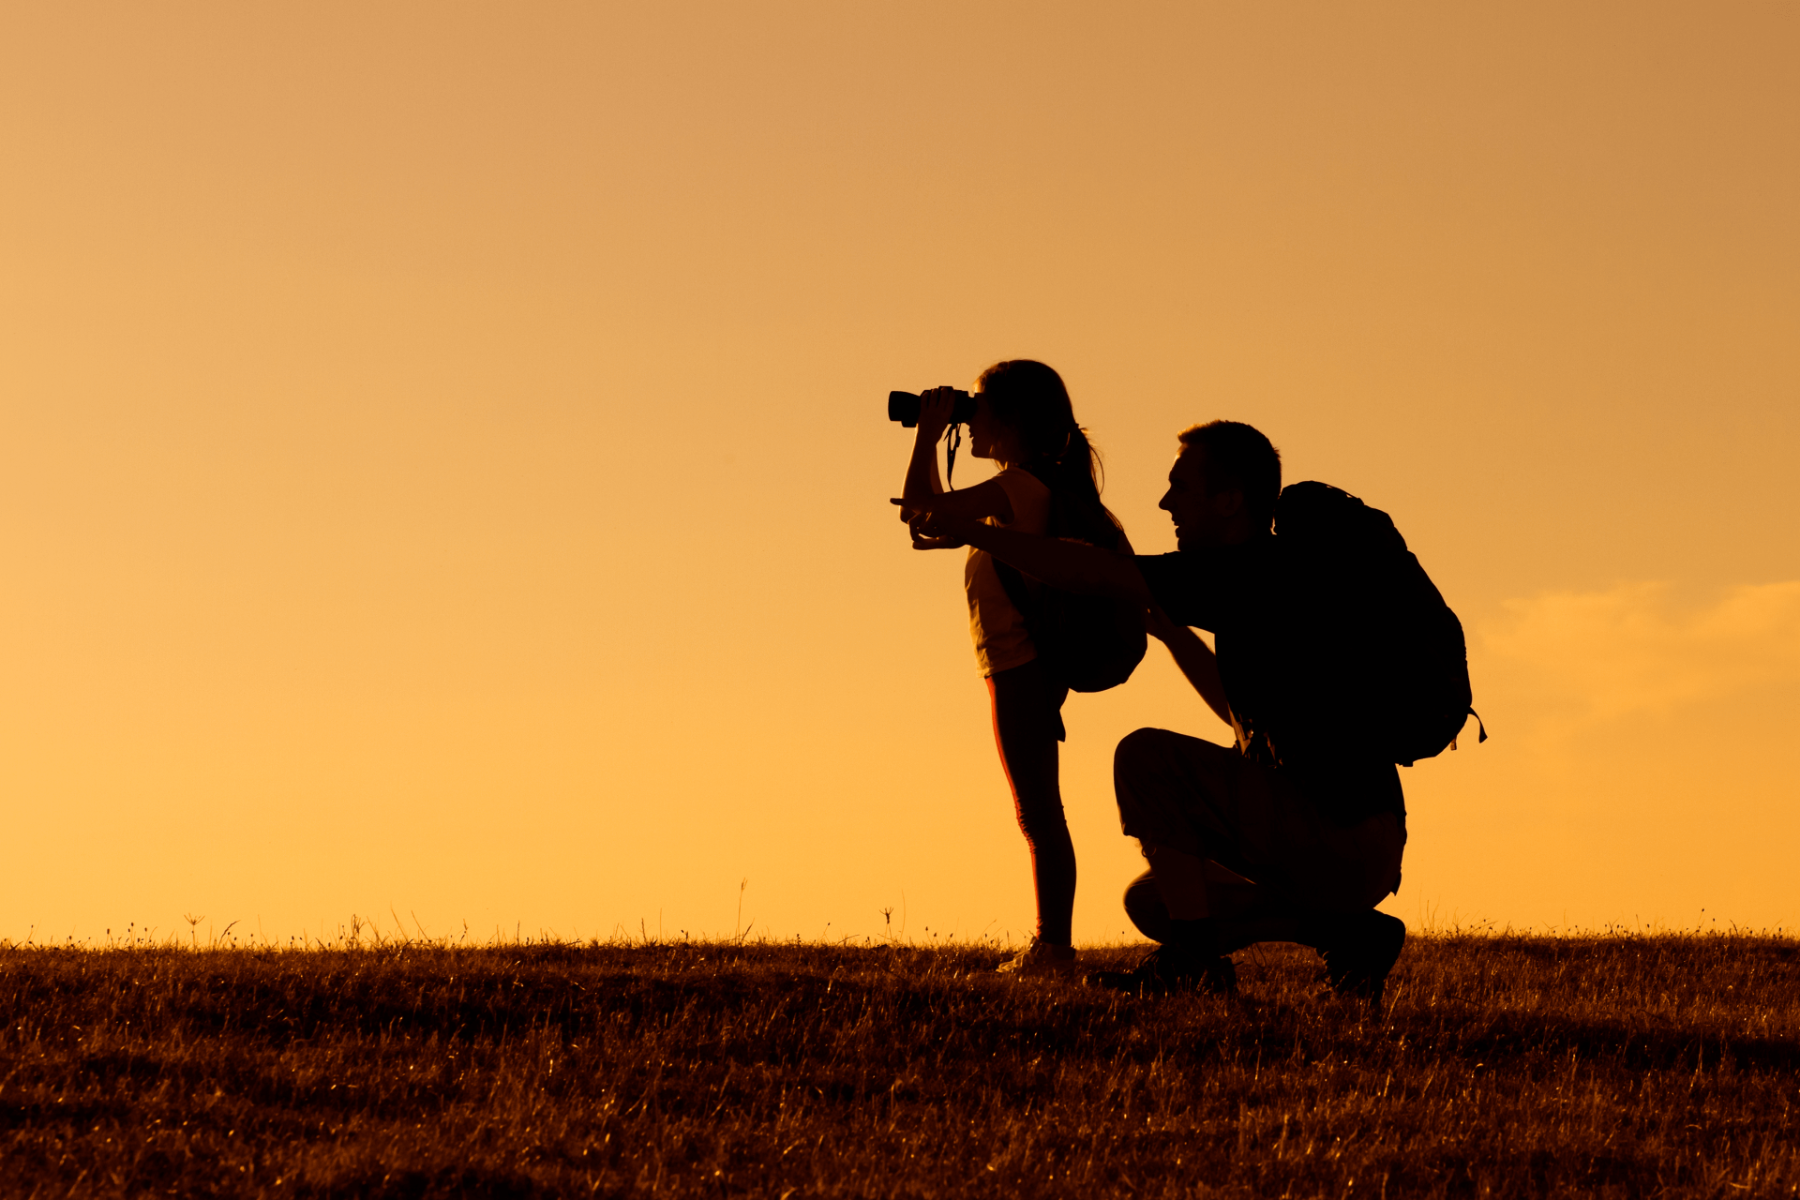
{"type": "Point", "coordinates": [1048, 483]}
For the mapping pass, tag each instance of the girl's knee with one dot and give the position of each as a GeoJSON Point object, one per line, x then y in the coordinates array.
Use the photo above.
{"type": "Point", "coordinates": [1043, 824]}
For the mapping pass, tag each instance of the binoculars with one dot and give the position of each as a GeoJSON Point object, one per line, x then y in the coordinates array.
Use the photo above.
{"type": "Point", "coordinates": [904, 408]}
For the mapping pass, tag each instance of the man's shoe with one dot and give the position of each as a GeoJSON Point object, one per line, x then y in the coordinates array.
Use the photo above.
{"type": "Point", "coordinates": [1168, 969]}
{"type": "Point", "coordinates": [1040, 960]}
{"type": "Point", "coordinates": [1359, 952]}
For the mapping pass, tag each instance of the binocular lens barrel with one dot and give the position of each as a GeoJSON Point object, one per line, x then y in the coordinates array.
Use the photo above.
{"type": "Point", "coordinates": [904, 408]}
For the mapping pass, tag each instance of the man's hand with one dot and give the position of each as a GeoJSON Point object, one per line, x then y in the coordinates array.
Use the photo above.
{"type": "Point", "coordinates": [939, 531]}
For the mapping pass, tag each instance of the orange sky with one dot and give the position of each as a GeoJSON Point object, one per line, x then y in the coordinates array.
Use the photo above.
{"type": "Point", "coordinates": [444, 470]}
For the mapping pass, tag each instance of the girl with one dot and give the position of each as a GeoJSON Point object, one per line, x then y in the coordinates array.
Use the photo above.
{"type": "Point", "coordinates": [1048, 483]}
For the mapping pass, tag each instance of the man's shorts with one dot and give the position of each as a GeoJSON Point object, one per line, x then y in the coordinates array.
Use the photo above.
{"type": "Point", "coordinates": [1210, 801]}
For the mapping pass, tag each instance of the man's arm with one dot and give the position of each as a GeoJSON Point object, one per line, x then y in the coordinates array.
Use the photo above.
{"type": "Point", "coordinates": [1194, 657]}
{"type": "Point", "coordinates": [1069, 566]}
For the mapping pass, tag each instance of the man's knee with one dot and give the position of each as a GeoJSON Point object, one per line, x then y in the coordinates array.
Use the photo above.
{"type": "Point", "coordinates": [1146, 784]}
{"type": "Point", "coordinates": [1146, 773]}
{"type": "Point", "coordinates": [1145, 906]}
{"type": "Point", "coordinates": [1141, 751]}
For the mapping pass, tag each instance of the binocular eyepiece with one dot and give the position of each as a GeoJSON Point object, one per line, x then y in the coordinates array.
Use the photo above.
{"type": "Point", "coordinates": [904, 408]}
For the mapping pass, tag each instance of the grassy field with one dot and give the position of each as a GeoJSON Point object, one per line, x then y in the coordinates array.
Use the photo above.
{"type": "Point", "coordinates": [1627, 1066]}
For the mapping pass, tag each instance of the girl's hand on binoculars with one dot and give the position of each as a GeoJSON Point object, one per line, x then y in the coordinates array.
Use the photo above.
{"type": "Point", "coordinates": [935, 406]}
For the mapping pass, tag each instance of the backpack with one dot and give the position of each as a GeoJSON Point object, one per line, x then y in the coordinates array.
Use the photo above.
{"type": "Point", "coordinates": [1400, 650]}
{"type": "Point", "coordinates": [1090, 643]}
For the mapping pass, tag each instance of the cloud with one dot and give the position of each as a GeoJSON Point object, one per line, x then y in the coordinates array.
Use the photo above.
{"type": "Point", "coordinates": [1632, 649]}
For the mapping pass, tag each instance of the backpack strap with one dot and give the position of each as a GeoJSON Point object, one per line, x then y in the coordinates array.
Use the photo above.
{"type": "Point", "coordinates": [1478, 725]}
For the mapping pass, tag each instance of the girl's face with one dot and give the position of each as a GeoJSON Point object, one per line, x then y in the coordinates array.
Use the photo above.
{"type": "Point", "coordinates": [988, 438]}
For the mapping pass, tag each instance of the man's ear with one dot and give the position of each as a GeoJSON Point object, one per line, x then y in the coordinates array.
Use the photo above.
{"type": "Point", "coordinates": [1228, 503]}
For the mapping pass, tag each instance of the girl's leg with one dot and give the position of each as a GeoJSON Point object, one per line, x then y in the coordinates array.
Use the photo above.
{"type": "Point", "coordinates": [1027, 727]}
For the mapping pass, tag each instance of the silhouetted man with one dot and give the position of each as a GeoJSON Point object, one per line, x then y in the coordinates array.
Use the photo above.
{"type": "Point", "coordinates": [1296, 833]}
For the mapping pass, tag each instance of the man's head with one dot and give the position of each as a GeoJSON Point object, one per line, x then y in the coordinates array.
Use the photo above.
{"type": "Point", "coordinates": [1223, 485]}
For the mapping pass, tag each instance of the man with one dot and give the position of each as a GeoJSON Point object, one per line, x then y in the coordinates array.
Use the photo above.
{"type": "Point", "coordinates": [1295, 834]}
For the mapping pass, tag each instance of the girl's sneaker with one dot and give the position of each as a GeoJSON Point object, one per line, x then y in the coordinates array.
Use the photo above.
{"type": "Point", "coordinates": [1041, 960]}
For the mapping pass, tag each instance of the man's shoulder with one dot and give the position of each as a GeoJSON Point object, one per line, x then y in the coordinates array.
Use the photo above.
{"type": "Point", "coordinates": [1245, 559]}
{"type": "Point", "coordinates": [1249, 583]}
{"type": "Point", "coordinates": [1205, 586]}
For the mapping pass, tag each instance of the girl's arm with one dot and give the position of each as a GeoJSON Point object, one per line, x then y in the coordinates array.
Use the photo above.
{"type": "Point", "coordinates": [1193, 656]}
{"type": "Point", "coordinates": [970, 505]}
{"type": "Point", "coordinates": [922, 482]}
{"type": "Point", "coordinates": [924, 492]}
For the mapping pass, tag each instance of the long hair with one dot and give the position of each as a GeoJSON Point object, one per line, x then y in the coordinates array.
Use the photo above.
{"type": "Point", "coordinates": [1030, 398]}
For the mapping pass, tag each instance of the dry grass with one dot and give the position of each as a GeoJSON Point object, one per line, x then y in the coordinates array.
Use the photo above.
{"type": "Point", "coordinates": [1626, 1066]}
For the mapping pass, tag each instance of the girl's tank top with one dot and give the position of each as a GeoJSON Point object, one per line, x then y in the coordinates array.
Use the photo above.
{"type": "Point", "coordinates": [995, 623]}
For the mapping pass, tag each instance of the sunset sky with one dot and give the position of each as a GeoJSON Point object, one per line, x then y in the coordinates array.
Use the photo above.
{"type": "Point", "coordinates": [444, 472]}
